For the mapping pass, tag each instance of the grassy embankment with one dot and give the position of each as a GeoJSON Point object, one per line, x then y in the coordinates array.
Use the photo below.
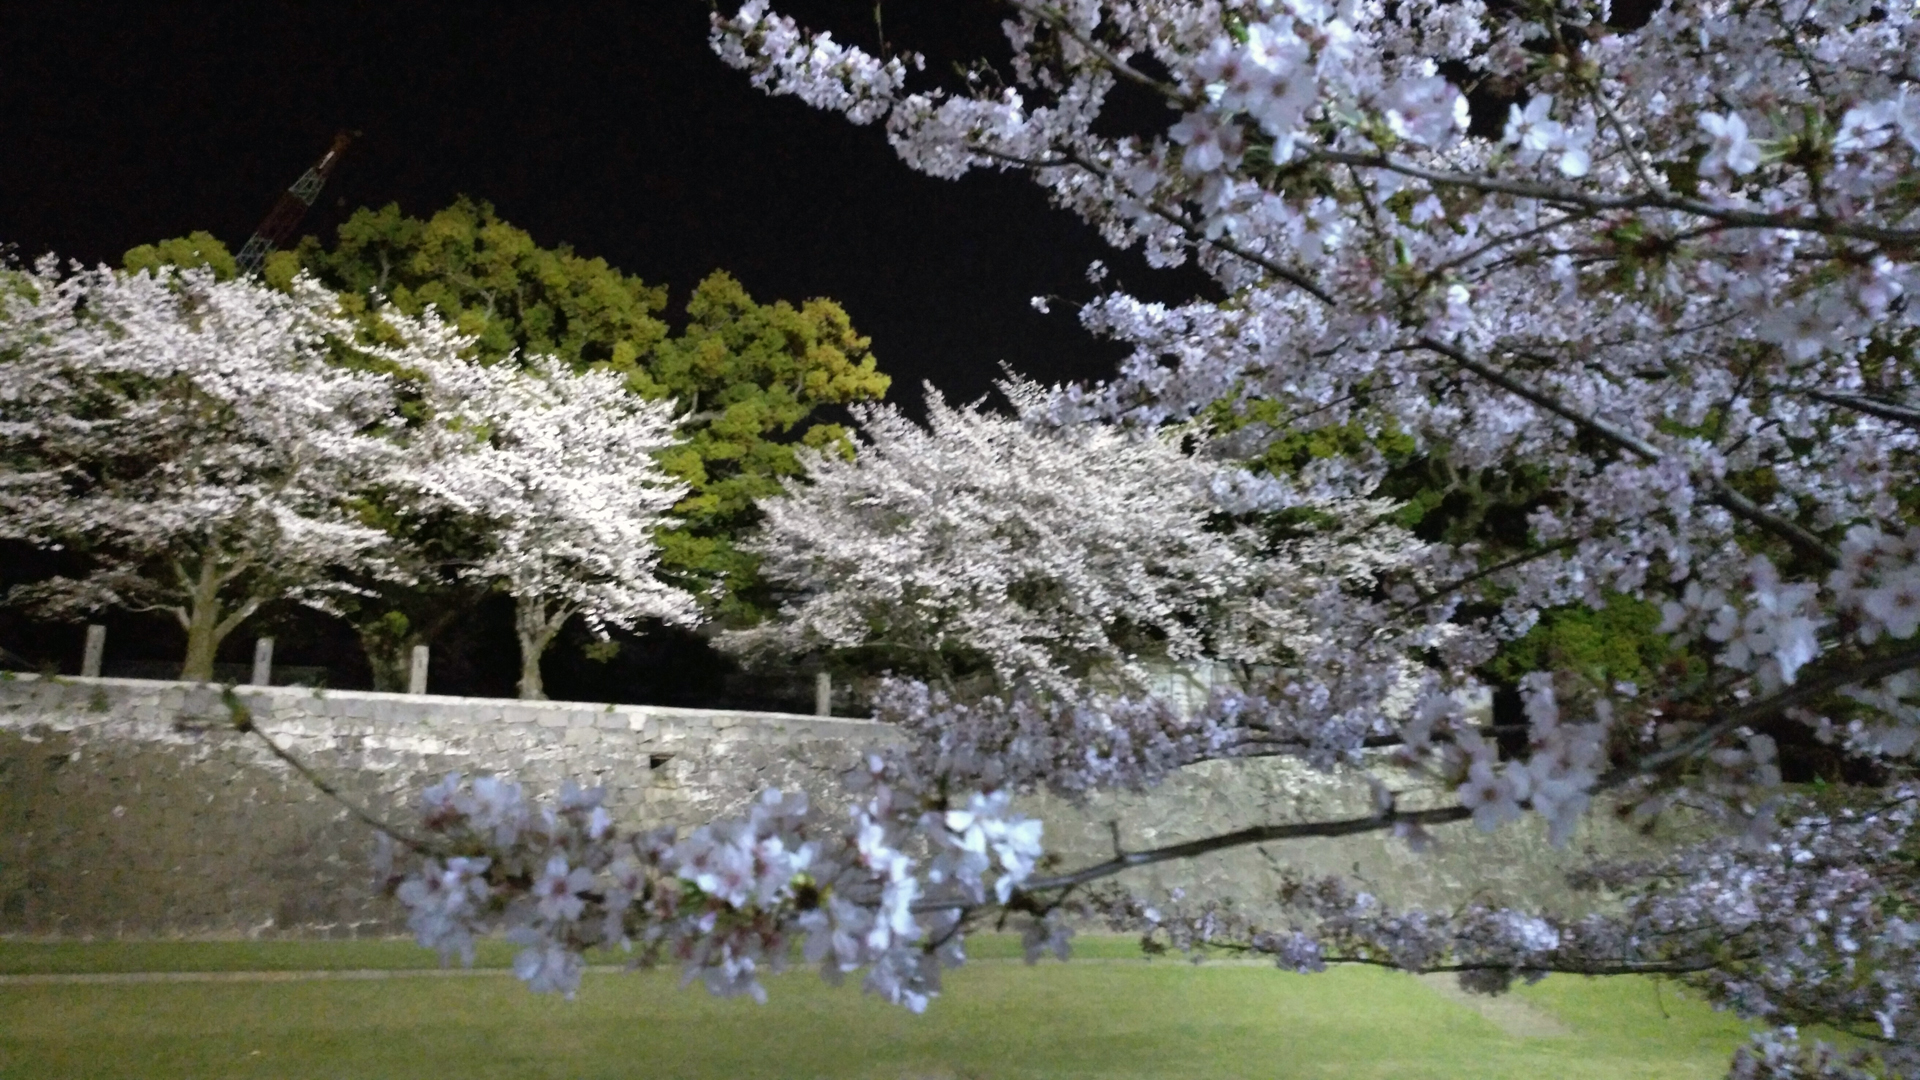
{"type": "Point", "coordinates": [1110, 1016]}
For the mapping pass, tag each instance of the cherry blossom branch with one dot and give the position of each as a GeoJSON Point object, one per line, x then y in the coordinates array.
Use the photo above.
{"type": "Point", "coordinates": [1722, 493]}
{"type": "Point", "coordinates": [1801, 692]}
{"type": "Point", "coordinates": [242, 721]}
{"type": "Point", "coordinates": [1525, 557]}
{"type": "Point", "coordinates": [1885, 410]}
{"type": "Point", "coordinates": [1620, 130]}
{"type": "Point", "coordinates": [1197, 235]}
{"type": "Point", "coordinates": [1291, 276]}
{"type": "Point", "coordinates": [1052, 17]}
{"type": "Point", "coordinates": [1553, 967]}
{"type": "Point", "coordinates": [1901, 239]}
{"type": "Point", "coordinates": [1806, 690]}
{"type": "Point", "coordinates": [1504, 240]}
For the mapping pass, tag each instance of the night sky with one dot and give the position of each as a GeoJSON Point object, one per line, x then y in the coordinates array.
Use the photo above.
{"type": "Point", "coordinates": [607, 126]}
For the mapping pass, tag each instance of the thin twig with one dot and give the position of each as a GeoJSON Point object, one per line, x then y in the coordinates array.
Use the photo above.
{"type": "Point", "coordinates": [243, 722]}
{"type": "Point", "coordinates": [1119, 67]}
{"type": "Point", "coordinates": [1521, 559]}
{"type": "Point", "coordinates": [1885, 410]}
{"type": "Point", "coordinates": [1806, 690]}
{"type": "Point", "coordinates": [1562, 196]}
{"type": "Point", "coordinates": [1257, 834]}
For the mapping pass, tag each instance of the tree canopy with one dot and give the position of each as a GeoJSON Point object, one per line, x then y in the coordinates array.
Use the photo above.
{"type": "Point", "coordinates": [493, 282]}
{"type": "Point", "coordinates": [192, 439]}
{"type": "Point", "coordinates": [749, 379]}
{"type": "Point", "coordinates": [1042, 557]}
{"type": "Point", "coordinates": [750, 376]}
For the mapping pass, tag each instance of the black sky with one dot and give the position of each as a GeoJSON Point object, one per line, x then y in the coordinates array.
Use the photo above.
{"type": "Point", "coordinates": [608, 126]}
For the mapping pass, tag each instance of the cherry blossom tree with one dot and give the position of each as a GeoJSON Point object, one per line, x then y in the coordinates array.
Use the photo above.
{"type": "Point", "coordinates": [557, 469]}
{"type": "Point", "coordinates": [1047, 554]}
{"type": "Point", "coordinates": [1666, 262]}
{"type": "Point", "coordinates": [191, 438]}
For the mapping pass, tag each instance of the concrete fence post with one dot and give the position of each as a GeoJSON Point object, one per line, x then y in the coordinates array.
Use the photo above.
{"type": "Point", "coordinates": [262, 663]}
{"type": "Point", "coordinates": [417, 675]}
{"type": "Point", "coordinates": [95, 649]}
{"type": "Point", "coordinates": [823, 694]}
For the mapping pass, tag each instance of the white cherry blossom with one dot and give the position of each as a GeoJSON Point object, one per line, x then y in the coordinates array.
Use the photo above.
{"type": "Point", "coordinates": [192, 438]}
{"type": "Point", "coordinates": [557, 469]}
{"type": "Point", "coordinates": [1677, 296]}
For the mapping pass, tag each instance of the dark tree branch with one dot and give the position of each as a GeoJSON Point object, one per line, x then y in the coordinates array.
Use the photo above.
{"type": "Point", "coordinates": [242, 719]}
{"type": "Point", "coordinates": [1722, 494]}
{"type": "Point", "coordinates": [1521, 559]}
{"type": "Point", "coordinates": [1258, 834]}
{"type": "Point", "coordinates": [1053, 18]}
{"type": "Point", "coordinates": [1885, 410]}
{"type": "Point", "coordinates": [1799, 693]}
{"type": "Point", "coordinates": [1568, 197]}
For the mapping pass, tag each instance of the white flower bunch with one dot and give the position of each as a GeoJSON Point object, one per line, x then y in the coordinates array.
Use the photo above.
{"type": "Point", "coordinates": [557, 469]}
{"type": "Point", "coordinates": [728, 901]}
{"type": "Point", "coordinates": [1053, 553]}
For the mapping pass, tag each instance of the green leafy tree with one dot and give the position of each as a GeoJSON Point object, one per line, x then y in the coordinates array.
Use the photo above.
{"type": "Point", "coordinates": [194, 249]}
{"type": "Point", "coordinates": [750, 376]}
{"type": "Point", "coordinates": [493, 281]}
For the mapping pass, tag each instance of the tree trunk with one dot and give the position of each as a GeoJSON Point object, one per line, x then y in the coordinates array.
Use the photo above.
{"type": "Point", "coordinates": [536, 627]}
{"type": "Point", "coordinates": [202, 625]}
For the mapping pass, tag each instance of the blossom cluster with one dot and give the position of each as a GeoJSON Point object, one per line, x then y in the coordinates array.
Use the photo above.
{"type": "Point", "coordinates": [1719, 273]}
{"type": "Point", "coordinates": [1805, 926]}
{"type": "Point", "coordinates": [1773, 630]}
{"type": "Point", "coordinates": [558, 470]}
{"type": "Point", "coordinates": [889, 890]}
{"type": "Point", "coordinates": [214, 446]}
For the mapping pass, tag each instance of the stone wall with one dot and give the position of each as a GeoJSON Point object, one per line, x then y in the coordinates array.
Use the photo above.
{"type": "Point", "coordinates": [131, 808]}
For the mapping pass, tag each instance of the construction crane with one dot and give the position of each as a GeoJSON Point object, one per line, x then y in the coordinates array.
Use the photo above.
{"type": "Point", "coordinates": [286, 214]}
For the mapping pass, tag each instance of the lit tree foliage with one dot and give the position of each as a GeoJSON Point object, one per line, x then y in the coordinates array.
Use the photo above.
{"type": "Point", "coordinates": [189, 437]}
{"type": "Point", "coordinates": [747, 375]}
{"type": "Point", "coordinates": [1045, 555]}
{"type": "Point", "coordinates": [556, 469]}
{"type": "Point", "coordinates": [194, 249]}
{"type": "Point", "coordinates": [750, 375]}
{"type": "Point", "coordinates": [494, 283]}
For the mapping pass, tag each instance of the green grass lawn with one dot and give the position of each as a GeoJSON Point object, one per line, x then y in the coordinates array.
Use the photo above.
{"type": "Point", "coordinates": [1115, 1017]}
